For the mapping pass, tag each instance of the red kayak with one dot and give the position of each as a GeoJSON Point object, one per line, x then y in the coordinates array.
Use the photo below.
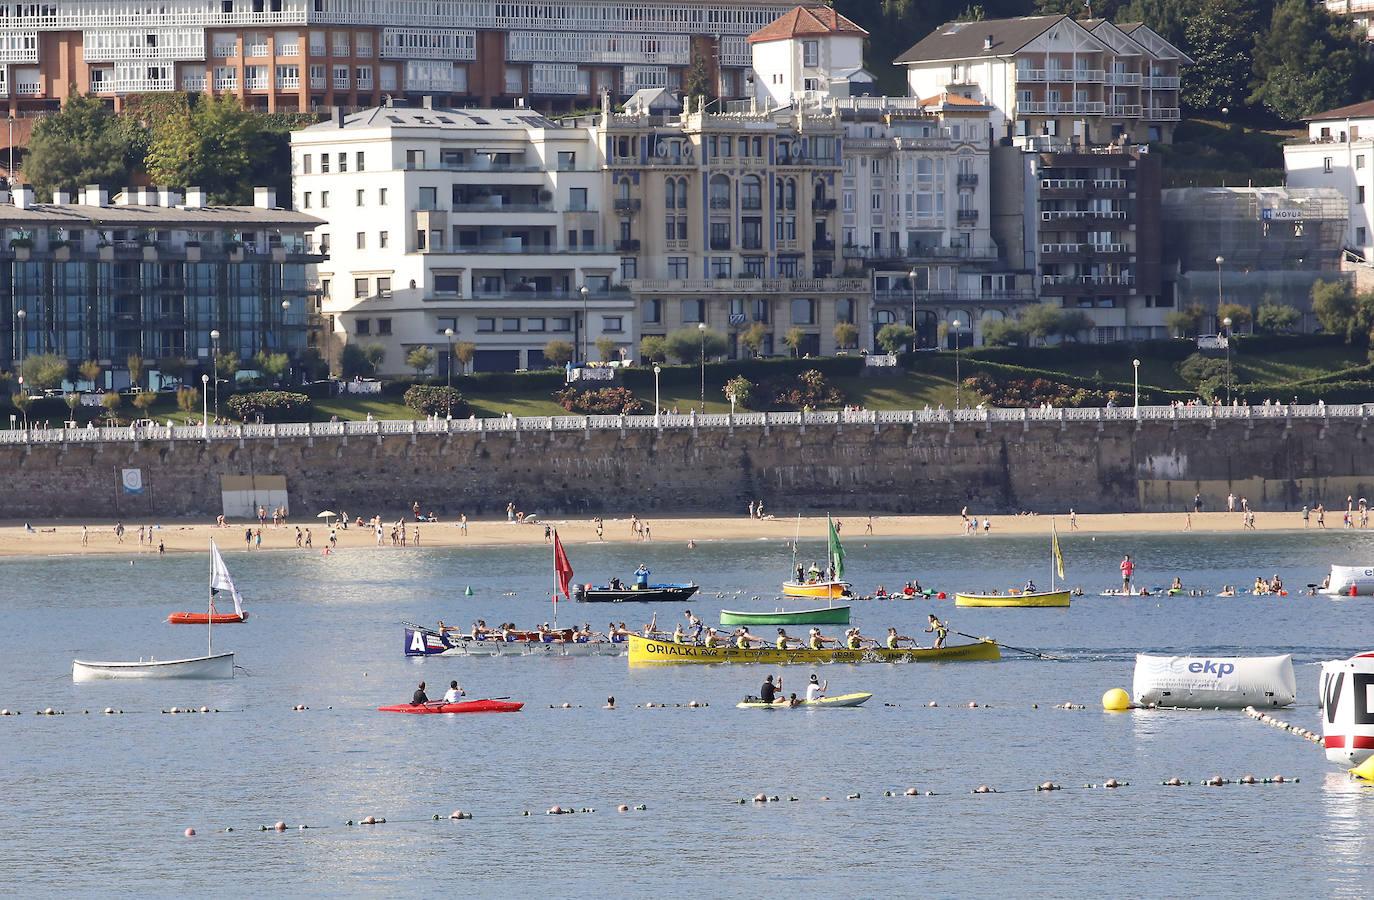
{"type": "Point", "coordinates": [198, 618]}
{"type": "Point", "coordinates": [467, 706]}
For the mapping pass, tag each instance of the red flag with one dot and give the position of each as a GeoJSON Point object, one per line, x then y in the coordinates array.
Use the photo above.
{"type": "Point", "coordinates": [562, 568]}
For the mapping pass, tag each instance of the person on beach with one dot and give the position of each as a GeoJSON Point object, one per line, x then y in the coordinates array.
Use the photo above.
{"type": "Point", "coordinates": [1306, 513]}
{"type": "Point", "coordinates": [1321, 516]}
{"type": "Point", "coordinates": [1127, 571]}
{"type": "Point", "coordinates": [1073, 520]}
{"type": "Point", "coordinates": [751, 510]}
{"type": "Point", "coordinates": [1197, 503]}
{"type": "Point", "coordinates": [308, 540]}
{"type": "Point", "coordinates": [940, 629]}
{"type": "Point", "coordinates": [463, 524]}
{"type": "Point", "coordinates": [84, 537]}
{"type": "Point", "coordinates": [868, 529]}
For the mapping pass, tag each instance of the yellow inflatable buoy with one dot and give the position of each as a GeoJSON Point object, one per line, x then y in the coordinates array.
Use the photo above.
{"type": "Point", "coordinates": [1364, 770]}
{"type": "Point", "coordinates": [1116, 700]}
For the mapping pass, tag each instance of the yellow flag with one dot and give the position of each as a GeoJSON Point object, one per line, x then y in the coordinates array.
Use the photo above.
{"type": "Point", "coordinates": [1058, 557]}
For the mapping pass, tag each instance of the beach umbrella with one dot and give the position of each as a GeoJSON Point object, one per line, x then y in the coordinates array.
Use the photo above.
{"type": "Point", "coordinates": [327, 514]}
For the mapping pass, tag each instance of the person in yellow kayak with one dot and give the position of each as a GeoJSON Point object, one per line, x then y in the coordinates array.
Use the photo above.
{"type": "Point", "coordinates": [784, 641]}
{"type": "Point", "coordinates": [894, 640]}
{"type": "Point", "coordinates": [817, 641]}
{"type": "Point", "coordinates": [941, 630]}
{"type": "Point", "coordinates": [815, 689]}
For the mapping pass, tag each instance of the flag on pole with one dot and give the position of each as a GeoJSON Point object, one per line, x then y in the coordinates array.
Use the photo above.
{"type": "Point", "coordinates": [836, 550]}
{"type": "Point", "coordinates": [1058, 557]}
{"type": "Point", "coordinates": [562, 568]}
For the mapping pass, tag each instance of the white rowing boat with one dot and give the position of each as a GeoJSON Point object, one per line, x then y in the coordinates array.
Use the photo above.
{"type": "Point", "coordinates": [218, 665]}
{"type": "Point", "coordinates": [534, 648]}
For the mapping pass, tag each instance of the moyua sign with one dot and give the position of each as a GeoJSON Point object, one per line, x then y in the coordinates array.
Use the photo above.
{"type": "Point", "coordinates": [1269, 214]}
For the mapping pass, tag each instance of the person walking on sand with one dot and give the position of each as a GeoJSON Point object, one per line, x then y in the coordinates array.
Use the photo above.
{"type": "Point", "coordinates": [84, 536]}
{"type": "Point", "coordinates": [868, 529]}
{"type": "Point", "coordinates": [463, 524]}
{"type": "Point", "coordinates": [1197, 502]}
{"type": "Point", "coordinates": [1231, 502]}
{"type": "Point", "coordinates": [308, 543]}
{"type": "Point", "coordinates": [1127, 572]}
{"type": "Point", "coordinates": [751, 509]}
{"type": "Point", "coordinates": [1187, 520]}
{"type": "Point", "coordinates": [1321, 516]}
{"type": "Point", "coordinates": [1306, 513]}
{"type": "Point", "coordinates": [1073, 520]}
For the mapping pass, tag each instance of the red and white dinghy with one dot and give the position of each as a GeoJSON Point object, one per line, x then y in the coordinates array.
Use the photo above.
{"type": "Point", "coordinates": [219, 581]}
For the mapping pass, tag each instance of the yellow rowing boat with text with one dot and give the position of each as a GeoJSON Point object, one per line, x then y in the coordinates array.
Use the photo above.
{"type": "Point", "coordinates": [1036, 600]}
{"type": "Point", "coordinates": [648, 651]}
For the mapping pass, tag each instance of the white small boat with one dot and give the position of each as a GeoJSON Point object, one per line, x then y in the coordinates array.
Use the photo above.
{"type": "Point", "coordinates": [220, 665]}
{"type": "Point", "coordinates": [211, 665]}
{"type": "Point", "coordinates": [532, 648]}
{"type": "Point", "coordinates": [1349, 581]}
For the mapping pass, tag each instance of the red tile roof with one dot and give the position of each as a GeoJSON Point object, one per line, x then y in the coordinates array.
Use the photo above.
{"type": "Point", "coordinates": [1361, 110]}
{"type": "Point", "coordinates": [806, 20]}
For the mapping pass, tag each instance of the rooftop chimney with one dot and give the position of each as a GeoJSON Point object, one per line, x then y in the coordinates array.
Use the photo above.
{"type": "Point", "coordinates": [23, 196]}
{"type": "Point", "coordinates": [168, 197]}
{"type": "Point", "coordinates": [336, 115]}
{"type": "Point", "coordinates": [61, 198]}
{"type": "Point", "coordinates": [987, 42]}
{"type": "Point", "coordinates": [265, 197]}
{"type": "Point", "coordinates": [427, 101]}
{"type": "Point", "coordinates": [195, 198]}
{"type": "Point", "coordinates": [95, 195]}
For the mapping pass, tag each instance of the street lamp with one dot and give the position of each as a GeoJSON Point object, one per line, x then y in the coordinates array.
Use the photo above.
{"type": "Point", "coordinates": [448, 373]}
{"type": "Point", "coordinates": [955, 324]}
{"type": "Point", "coordinates": [585, 323]}
{"type": "Point", "coordinates": [911, 279]}
{"type": "Point", "coordinates": [23, 339]}
{"type": "Point", "coordinates": [204, 406]}
{"type": "Point", "coordinates": [1226, 323]}
{"type": "Point", "coordinates": [1135, 363]}
{"type": "Point", "coordinates": [1220, 260]}
{"type": "Point", "coordinates": [701, 329]}
{"type": "Point", "coordinates": [214, 360]}
{"type": "Point", "coordinates": [657, 370]}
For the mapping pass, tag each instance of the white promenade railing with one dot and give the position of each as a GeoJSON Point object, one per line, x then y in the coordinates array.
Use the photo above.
{"type": "Point", "coordinates": [973, 416]}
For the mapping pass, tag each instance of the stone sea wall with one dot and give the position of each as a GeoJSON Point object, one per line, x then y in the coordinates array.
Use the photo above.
{"type": "Point", "coordinates": [926, 463]}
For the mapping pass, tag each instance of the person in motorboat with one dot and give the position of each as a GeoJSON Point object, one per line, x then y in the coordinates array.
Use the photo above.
{"type": "Point", "coordinates": [616, 584]}
{"type": "Point", "coordinates": [940, 629]}
{"type": "Point", "coordinates": [894, 639]}
{"type": "Point", "coordinates": [817, 641]}
{"type": "Point", "coordinates": [642, 578]}
{"type": "Point", "coordinates": [916, 586]}
{"type": "Point", "coordinates": [454, 694]}
{"type": "Point", "coordinates": [744, 640]}
{"type": "Point", "coordinates": [801, 577]}
{"type": "Point", "coordinates": [813, 574]}
{"type": "Point", "coordinates": [1030, 587]}
{"type": "Point", "coordinates": [420, 698]}
{"type": "Point", "coordinates": [815, 690]}
{"type": "Point", "coordinates": [785, 641]}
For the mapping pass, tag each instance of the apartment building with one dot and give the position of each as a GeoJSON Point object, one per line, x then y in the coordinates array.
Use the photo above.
{"type": "Point", "coordinates": [152, 273]}
{"type": "Point", "coordinates": [1359, 12]}
{"type": "Point", "coordinates": [1054, 78]}
{"type": "Point", "coordinates": [285, 55]}
{"type": "Point", "coordinates": [1086, 222]}
{"type": "Point", "coordinates": [486, 223]}
{"type": "Point", "coordinates": [1338, 153]}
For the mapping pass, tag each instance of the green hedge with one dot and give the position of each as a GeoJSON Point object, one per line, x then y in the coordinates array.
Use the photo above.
{"type": "Point", "coordinates": [273, 406]}
{"type": "Point", "coordinates": [1273, 343]}
{"type": "Point", "coordinates": [944, 364]}
{"type": "Point", "coordinates": [1046, 357]}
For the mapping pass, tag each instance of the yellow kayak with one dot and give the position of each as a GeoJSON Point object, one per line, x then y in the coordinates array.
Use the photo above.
{"type": "Point", "coordinates": [1038, 599]}
{"type": "Point", "coordinates": [839, 700]}
{"type": "Point", "coordinates": [829, 589]}
{"type": "Point", "coordinates": [647, 651]}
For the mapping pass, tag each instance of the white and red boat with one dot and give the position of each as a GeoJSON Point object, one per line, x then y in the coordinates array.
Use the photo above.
{"type": "Point", "coordinates": [219, 581]}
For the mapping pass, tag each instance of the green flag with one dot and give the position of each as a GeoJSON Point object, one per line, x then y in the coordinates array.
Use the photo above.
{"type": "Point", "coordinates": [836, 550]}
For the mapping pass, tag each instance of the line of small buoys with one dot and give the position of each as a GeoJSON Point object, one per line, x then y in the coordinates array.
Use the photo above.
{"type": "Point", "coordinates": [299, 707]}
{"type": "Point", "coordinates": [1263, 717]}
{"type": "Point", "coordinates": [178, 710]}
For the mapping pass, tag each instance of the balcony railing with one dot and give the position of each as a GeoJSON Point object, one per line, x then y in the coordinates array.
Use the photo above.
{"type": "Point", "coordinates": [225, 51]}
{"type": "Point", "coordinates": [720, 202]}
{"type": "Point", "coordinates": [1108, 280]}
{"type": "Point", "coordinates": [1125, 111]}
{"type": "Point", "coordinates": [720, 243]}
{"type": "Point", "coordinates": [1087, 76]}
{"type": "Point", "coordinates": [1061, 107]}
{"type": "Point", "coordinates": [257, 50]}
{"type": "Point", "coordinates": [289, 50]}
{"type": "Point", "coordinates": [966, 180]}
{"type": "Point", "coordinates": [1161, 82]}
{"type": "Point", "coordinates": [1161, 114]}
{"type": "Point", "coordinates": [1050, 215]}
{"type": "Point", "coordinates": [966, 216]}
{"type": "Point", "coordinates": [1062, 184]}
{"type": "Point", "coordinates": [825, 245]}
{"type": "Point", "coordinates": [1125, 79]}
{"type": "Point", "coordinates": [630, 245]}
{"type": "Point", "coordinates": [28, 89]}
{"type": "Point", "coordinates": [1110, 184]}
{"type": "Point", "coordinates": [489, 207]}
{"type": "Point", "coordinates": [823, 204]}
{"type": "Point", "coordinates": [917, 251]}
{"type": "Point", "coordinates": [744, 285]}
{"type": "Point", "coordinates": [193, 83]}
{"type": "Point", "coordinates": [628, 204]}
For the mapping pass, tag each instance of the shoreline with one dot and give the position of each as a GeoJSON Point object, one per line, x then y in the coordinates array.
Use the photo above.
{"type": "Point", "coordinates": [63, 537]}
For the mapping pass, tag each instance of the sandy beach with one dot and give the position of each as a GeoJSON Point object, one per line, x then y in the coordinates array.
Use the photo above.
{"type": "Point", "coordinates": [65, 537]}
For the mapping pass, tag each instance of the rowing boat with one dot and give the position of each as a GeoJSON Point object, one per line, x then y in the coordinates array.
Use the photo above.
{"type": "Point", "coordinates": [466, 706]}
{"type": "Point", "coordinates": [648, 651]}
{"type": "Point", "coordinates": [1029, 599]}
{"type": "Point", "coordinates": [200, 618]}
{"type": "Point", "coordinates": [421, 641]}
{"type": "Point", "coordinates": [672, 593]}
{"type": "Point", "coordinates": [824, 615]}
{"type": "Point", "coordinates": [842, 700]}
{"type": "Point", "coordinates": [832, 590]}
{"type": "Point", "coordinates": [215, 665]}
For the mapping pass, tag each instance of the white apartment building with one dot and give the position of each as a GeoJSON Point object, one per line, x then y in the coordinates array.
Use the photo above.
{"type": "Point", "coordinates": [1055, 80]}
{"type": "Point", "coordinates": [1359, 12]}
{"type": "Point", "coordinates": [1339, 153]}
{"type": "Point", "coordinates": [808, 52]}
{"type": "Point", "coordinates": [483, 222]}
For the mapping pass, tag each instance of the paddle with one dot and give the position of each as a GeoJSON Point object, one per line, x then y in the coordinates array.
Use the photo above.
{"type": "Point", "coordinates": [1010, 647]}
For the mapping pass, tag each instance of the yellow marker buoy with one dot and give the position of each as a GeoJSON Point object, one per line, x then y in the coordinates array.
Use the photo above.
{"type": "Point", "coordinates": [1364, 770]}
{"type": "Point", "coordinates": [1116, 700]}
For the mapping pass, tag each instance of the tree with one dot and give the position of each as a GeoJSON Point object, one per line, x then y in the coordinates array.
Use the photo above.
{"type": "Point", "coordinates": [1239, 315]}
{"type": "Point", "coordinates": [375, 354]}
{"type": "Point", "coordinates": [80, 145]}
{"type": "Point", "coordinates": [73, 401]}
{"type": "Point", "coordinates": [353, 361]}
{"type": "Point", "coordinates": [753, 338]}
{"type": "Point", "coordinates": [1334, 304]}
{"type": "Point", "coordinates": [272, 365]}
{"type": "Point", "coordinates": [1073, 324]}
{"type": "Point", "coordinates": [188, 398]}
{"type": "Point", "coordinates": [44, 371]}
{"type": "Point", "coordinates": [607, 348]}
{"type": "Point", "coordinates": [463, 351]}
{"type": "Point", "coordinates": [740, 388]}
{"type": "Point", "coordinates": [794, 338]}
{"type": "Point", "coordinates": [1307, 61]}
{"type": "Point", "coordinates": [686, 344]}
{"type": "Point", "coordinates": [22, 401]}
{"type": "Point", "coordinates": [111, 401]}
{"type": "Point", "coordinates": [1276, 318]}
{"type": "Point", "coordinates": [1221, 38]}
{"type": "Point", "coordinates": [91, 371]}
{"type": "Point", "coordinates": [1005, 333]}
{"type": "Point", "coordinates": [216, 144]}
{"type": "Point", "coordinates": [419, 359]}
{"type": "Point", "coordinates": [1186, 321]}
{"type": "Point", "coordinates": [172, 367]}
{"type": "Point", "coordinates": [135, 364]}
{"type": "Point", "coordinates": [143, 401]}
{"type": "Point", "coordinates": [558, 353]}
{"type": "Point", "coordinates": [893, 336]}
{"type": "Point", "coordinates": [653, 348]}
{"type": "Point", "coordinates": [846, 335]}
{"type": "Point", "coordinates": [698, 82]}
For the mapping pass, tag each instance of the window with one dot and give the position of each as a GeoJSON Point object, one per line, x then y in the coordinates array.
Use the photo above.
{"type": "Point", "coordinates": [448, 284]}
{"type": "Point", "coordinates": [1360, 235]}
{"type": "Point", "coordinates": [720, 235]}
{"type": "Point", "coordinates": [751, 234]}
{"type": "Point", "coordinates": [384, 326]}
{"type": "Point", "coordinates": [447, 322]}
{"type": "Point", "coordinates": [511, 324]}
{"type": "Point", "coordinates": [534, 324]}
{"type": "Point", "coordinates": [567, 161]}
{"type": "Point", "coordinates": [753, 266]}
{"type": "Point", "coordinates": [848, 201]}
{"type": "Point", "coordinates": [629, 267]}
{"type": "Point", "coordinates": [652, 311]}
{"type": "Point", "coordinates": [383, 287]}
{"type": "Point", "coordinates": [485, 324]}
{"type": "Point", "coordinates": [720, 266]}
{"type": "Point", "coordinates": [429, 198]}
{"type": "Point", "coordinates": [305, 200]}
{"type": "Point", "coordinates": [383, 239]}
{"type": "Point", "coordinates": [362, 240]}
{"type": "Point", "coordinates": [324, 199]}
{"type": "Point", "coordinates": [560, 324]}
{"type": "Point", "coordinates": [811, 53]}
{"type": "Point", "coordinates": [877, 202]}
{"type": "Point", "coordinates": [720, 192]}
{"type": "Point", "coordinates": [577, 199]}
{"type": "Point", "coordinates": [420, 237]}
{"type": "Point", "coordinates": [1359, 194]}
{"type": "Point", "coordinates": [677, 267]}
{"type": "Point", "coordinates": [1326, 165]}
{"type": "Point", "coordinates": [358, 161]}
{"type": "Point", "coordinates": [415, 159]}
{"type": "Point", "coordinates": [324, 162]}
{"type": "Point", "coordinates": [362, 327]}
{"type": "Point", "coordinates": [803, 311]}
{"type": "Point", "coordinates": [612, 324]}
{"type": "Point", "coordinates": [359, 287]}
{"type": "Point", "coordinates": [693, 310]}
{"type": "Point", "coordinates": [358, 198]}
{"type": "Point", "coordinates": [1359, 161]}
{"type": "Point", "coordinates": [750, 192]}
{"type": "Point", "coordinates": [844, 310]}
{"type": "Point", "coordinates": [381, 196]}
{"type": "Point", "coordinates": [324, 244]}
{"type": "Point", "coordinates": [343, 162]}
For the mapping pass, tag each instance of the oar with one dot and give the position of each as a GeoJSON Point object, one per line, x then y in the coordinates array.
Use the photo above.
{"type": "Point", "coordinates": [1010, 647]}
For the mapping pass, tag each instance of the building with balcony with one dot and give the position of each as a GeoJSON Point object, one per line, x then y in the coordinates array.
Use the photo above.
{"type": "Point", "coordinates": [1338, 153]}
{"type": "Point", "coordinates": [808, 52]}
{"type": "Point", "coordinates": [285, 55]}
{"type": "Point", "coordinates": [1052, 80]}
{"type": "Point", "coordinates": [488, 223]}
{"type": "Point", "coordinates": [1359, 12]}
{"type": "Point", "coordinates": [152, 273]}
{"type": "Point", "coordinates": [1086, 223]}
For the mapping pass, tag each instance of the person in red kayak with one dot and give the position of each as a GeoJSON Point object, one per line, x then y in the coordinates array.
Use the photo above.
{"type": "Point", "coordinates": [420, 698]}
{"type": "Point", "coordinates": [454, 694]}
{"type": "Point", "coordinates": [1127, 570]}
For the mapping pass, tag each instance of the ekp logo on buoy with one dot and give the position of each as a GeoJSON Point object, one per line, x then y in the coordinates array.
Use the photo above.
{"type": "Point", "coordinates": [1211, 667]}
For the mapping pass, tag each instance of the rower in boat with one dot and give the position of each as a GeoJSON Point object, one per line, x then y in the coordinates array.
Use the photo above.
{"type": "Point", "coordinates": [713, 638]}
{"type": "Point", "coordinates": [678, 636]}
{"type": "Point", "coordinates": [815, 690]}
{"type": "Point", "coordinates": [940, 629]}
{"type": "Point", "coordinates": [454, 694]}
{"type": "Point", "coordinates": [694, 623]}
{"type": "Point", "coordinates": [419, 698]}
{"type": "Point", "coordinates": [651, 630]}
{"type": "Point", "coordinates": [618, 634]}
{"type": "Point", "coordinates": [445, 629]}
{"type": "Point", "coordinates": [854, 640]}
{"type": "Point", "coordinates": [817, 641]}
{"type": "Point", "coordinates": [880, 593]}
{"type": "Point", "coordinates": [480, 631]}
{"type": "Point", "coordinates": [744, 640]}
{"type": "Point", "coordinates": [894, 640]}
{"type": "Point", "coordinates": [784, 641]}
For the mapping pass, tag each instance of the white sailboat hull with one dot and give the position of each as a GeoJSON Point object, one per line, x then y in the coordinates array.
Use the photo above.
{"type": "Point", "coordinates": [530, 648]}
{"type": "Point", "coordinates": [218, 665]}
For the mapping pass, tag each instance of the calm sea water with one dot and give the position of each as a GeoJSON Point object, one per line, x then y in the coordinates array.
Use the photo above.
{"type": "Point", "coordinates": [96, 804]}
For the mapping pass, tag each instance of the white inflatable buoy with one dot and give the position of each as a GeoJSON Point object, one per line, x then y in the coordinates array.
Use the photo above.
{"type": "Point", "coordinates": [1215, 682]}
{"type": "Point", "coordinates": [1347, 701]}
